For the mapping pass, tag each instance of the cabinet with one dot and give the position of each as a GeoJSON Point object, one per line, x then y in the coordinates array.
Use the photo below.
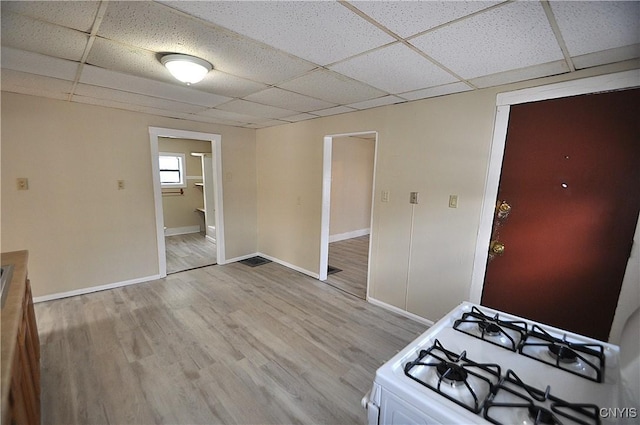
{"type": "Point", "coordinates": [21, 373]}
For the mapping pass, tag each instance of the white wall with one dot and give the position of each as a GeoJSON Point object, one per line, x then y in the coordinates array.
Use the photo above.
{"type": "Point", "coordinates": [81, 230]}
{"type": "Point", "coordinates": [351, 186]}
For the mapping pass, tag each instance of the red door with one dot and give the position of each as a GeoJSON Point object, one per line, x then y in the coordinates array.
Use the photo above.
{"type": "Point", "coordinates": [571, 175]}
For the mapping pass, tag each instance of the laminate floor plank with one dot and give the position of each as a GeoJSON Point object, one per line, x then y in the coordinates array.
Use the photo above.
{"type": "Point", "coordinates": [351, 256]}
{"type": "Point", "coordinates": [217, 345]}
{"type": "Point", "coordinates": [188, 251]}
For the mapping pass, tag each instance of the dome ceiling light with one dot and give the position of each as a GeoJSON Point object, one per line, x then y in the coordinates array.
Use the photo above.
{"type": "Point", "coordinates": [185, 68]}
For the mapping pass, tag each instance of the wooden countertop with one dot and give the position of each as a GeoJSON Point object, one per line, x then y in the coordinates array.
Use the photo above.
{"type": "Point", "coordinates": [11, 318]}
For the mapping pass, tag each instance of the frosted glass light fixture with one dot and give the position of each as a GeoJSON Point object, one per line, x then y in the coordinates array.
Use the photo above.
{"type": "Point", "coordinates": [188, 69]}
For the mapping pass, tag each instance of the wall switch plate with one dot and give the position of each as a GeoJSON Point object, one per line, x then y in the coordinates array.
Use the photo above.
{"type": "Point", "coordinates": [385, 196]}
{"type": "Point", "coordinates": [413, 198]}
{"type": "Point", "coordinates": [453, 201]}
{"type": "Point", "coordinates": [120, 184]}
{"type": "Point", "coordinates": [22, 183]}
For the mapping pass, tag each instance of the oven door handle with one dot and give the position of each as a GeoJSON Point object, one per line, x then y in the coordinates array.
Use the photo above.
{"type": "Point", "coordinates": [373, 411]}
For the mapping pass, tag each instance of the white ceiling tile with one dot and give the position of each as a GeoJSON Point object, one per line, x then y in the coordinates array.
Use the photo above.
{"type": "Point", "coordinates": [104, 78]}
{"type": "Point", "coordinates": [508, 37]}
{"type": "Point", "coordinates": [35, 85]}
{"type": "Point", "coordinates": [607, 56]}
{"type": "Point", "coordinates": [394, 69]}
{"type": "Point", "coordinates": [251, 108]}
{"type": "Point", "coordinates": [35, 63]}
{"type": "Point", "coordinates": [300, 117]}
{"type": "Point", "coordinates": [334, 111]}
{"type": "Point", "coordinates": [154, 27]}
{"type": "Point", "coordinates": [288, 100]}
{"type": "Point", "coordinates": [136, 99]}
{"type": "Point", "coordinates": [406, 18]}
{"type": "Point", "coordinates": [332, 87]}
{"type": "Point", "coordinates": [591, 26]}
{"type": "Point", "coordinates": [373, 103]}
{"type": "Point", "coordinates": [266, 124]}
{"type": "Point", "coordinates": [78, 15]}
{"type": "Point", "coordinates": [29, 34]}
{"type": "Point", "coordinates": [126, 106]}
{"type": "Point", "coordinates": [233, 116]}
{"type": "Point", "coordinates": [436, 91]}
{"type": "Point", "coordinates": [313, 30]}
{"type": "Point", "coordinates": [537, 71]}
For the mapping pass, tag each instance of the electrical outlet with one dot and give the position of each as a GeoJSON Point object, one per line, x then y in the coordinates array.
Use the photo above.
{"type": "Point", "coordinates": [453, 201]}
{"type": "Point", "coordinates": [385, 196]}
{"type": "Point", "coordinates": [120, 184]}
{"type": "Point", "coordinates": [413, 198]}
{"type": "Point", "coordinates": [22, 183]}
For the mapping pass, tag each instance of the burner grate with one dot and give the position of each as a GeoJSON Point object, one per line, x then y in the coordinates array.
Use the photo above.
{"type": "Point", "coordinates": [512, 401]}
{"type": "Point", "coordinates": [453, 376]}
{"type": "Point", "coordinates": [504, 333]}
{"type": "Point", "coordinates": [584, 360]}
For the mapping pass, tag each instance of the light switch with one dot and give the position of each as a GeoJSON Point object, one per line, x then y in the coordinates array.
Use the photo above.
{"type": "Point", "coordinates": [413, 198]}
{"type": "Point", "coordinates": [453, 201]}
{"type": "Point", "coordinates": [385, 196]}
{"type": "Point", "coordinates": [22, 183]}
{"type": "Point", "coordinates": [120, 184]}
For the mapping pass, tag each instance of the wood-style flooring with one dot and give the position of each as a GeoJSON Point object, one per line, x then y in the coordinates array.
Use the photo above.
{"type": "Point", "coordinates": [352, 257]}
{"type": "Point", "coordinates": [185, 252]}
{"type": "Point", "coordinates": [217, 345]}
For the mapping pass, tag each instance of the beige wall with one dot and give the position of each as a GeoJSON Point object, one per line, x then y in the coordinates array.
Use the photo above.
{"type": "Point", "coordinates": [180, 210]}
{"type": "Point", "coordinates": [422, 255]}
{"type": "Point", "coordinates": [351, 184]}
{"type": "Point", "coordinates": [81, 230]}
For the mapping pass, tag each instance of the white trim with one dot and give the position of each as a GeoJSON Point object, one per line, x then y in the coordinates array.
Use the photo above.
{"type": "Point", "coordinates": [610, 82]}
{"type": "Point", "coordinates": [216, 146]}
{"type": "Point", "coordinates": [400, 311]}
{"type": "Point", "coordinates": [275, 260]}
{"type": "Point", "coordinates": [92, 289]}
{"type": "Point", "coordinates": [173, 231]}
{"type": "Point", "coordinates": [289, 265]}
{"type": "Point", "coordinates": [349, 235]}
{"type": "Point", "coordinates": [326, 200]}
{"type": "Point", "coordinates": [601, 83]}
{"type": "Point", "coordinates": [326, 207]}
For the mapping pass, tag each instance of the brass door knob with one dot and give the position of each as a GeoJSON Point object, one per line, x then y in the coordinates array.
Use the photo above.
{"type": "Point", "coordinates": [496, 247]}
{"type": "Point", "coordinates": [503, 209]}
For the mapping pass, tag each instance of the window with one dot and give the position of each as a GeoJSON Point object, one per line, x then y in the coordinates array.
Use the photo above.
{"type": "Point", "coordinates": [172, 170]}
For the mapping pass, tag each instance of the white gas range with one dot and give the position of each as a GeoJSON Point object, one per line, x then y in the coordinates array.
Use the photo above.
{"type": "Point", "coordinates": [477, 365]}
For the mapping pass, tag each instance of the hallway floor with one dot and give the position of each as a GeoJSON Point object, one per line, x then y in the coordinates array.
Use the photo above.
{"type": "Point", "coordinates": [189, 251]}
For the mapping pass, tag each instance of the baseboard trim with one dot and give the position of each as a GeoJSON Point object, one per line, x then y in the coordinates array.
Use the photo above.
{"type": "Point", "coordinates": [275, 260]}
{"type": "Point", "coordinates": [91, 289]}
{"type": "Point", "coordinates": [289, 265]}
{"type": "Point", "coordinates": [174, 231]}
{"type": "Point", "coordinates": [349, 235]}
{"type": "Point", "coordinates": [400, 311]}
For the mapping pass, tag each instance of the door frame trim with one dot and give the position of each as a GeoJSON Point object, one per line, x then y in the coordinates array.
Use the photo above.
{"type": "Point", "coordinates": [216, 145]}
{"type": "Point", "coordinates": [326, 201]}
{"type": "Point", "coordinates": [602, 83]}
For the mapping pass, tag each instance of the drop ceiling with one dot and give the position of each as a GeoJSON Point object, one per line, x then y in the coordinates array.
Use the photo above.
{"type": "Point", "coordinates": [277, 62]}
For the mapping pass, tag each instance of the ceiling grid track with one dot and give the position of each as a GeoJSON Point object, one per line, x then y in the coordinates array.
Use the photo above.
{"type": "Point", "coordinates": [92, 36]}
{"type": "Point", "coordinates": [556, 31]}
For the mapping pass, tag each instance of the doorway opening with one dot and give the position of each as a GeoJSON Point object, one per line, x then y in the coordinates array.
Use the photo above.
{"type": "Point", "coordinates": [628, 297]}
{"type": "Point", "coordinates": [347, 211]}
{"type": "Point", "coordinates": [194, 237]}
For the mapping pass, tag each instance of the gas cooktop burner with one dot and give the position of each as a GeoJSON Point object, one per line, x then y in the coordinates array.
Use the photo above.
{"type": "Point", "coordinates": [584, 360]}
{"type": "Point", "coordinates": [488, 328]}
{"type": "Point", "coordinates": [512, 401]}
{"type": "Point", "coordinates": [503, 333]}
{"type": "Point", "coordinates": [563, 353]}
{"type": "Point", "coordinates": [451, 373]}
{"type": "Point", "coordinates": [454, 376]}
